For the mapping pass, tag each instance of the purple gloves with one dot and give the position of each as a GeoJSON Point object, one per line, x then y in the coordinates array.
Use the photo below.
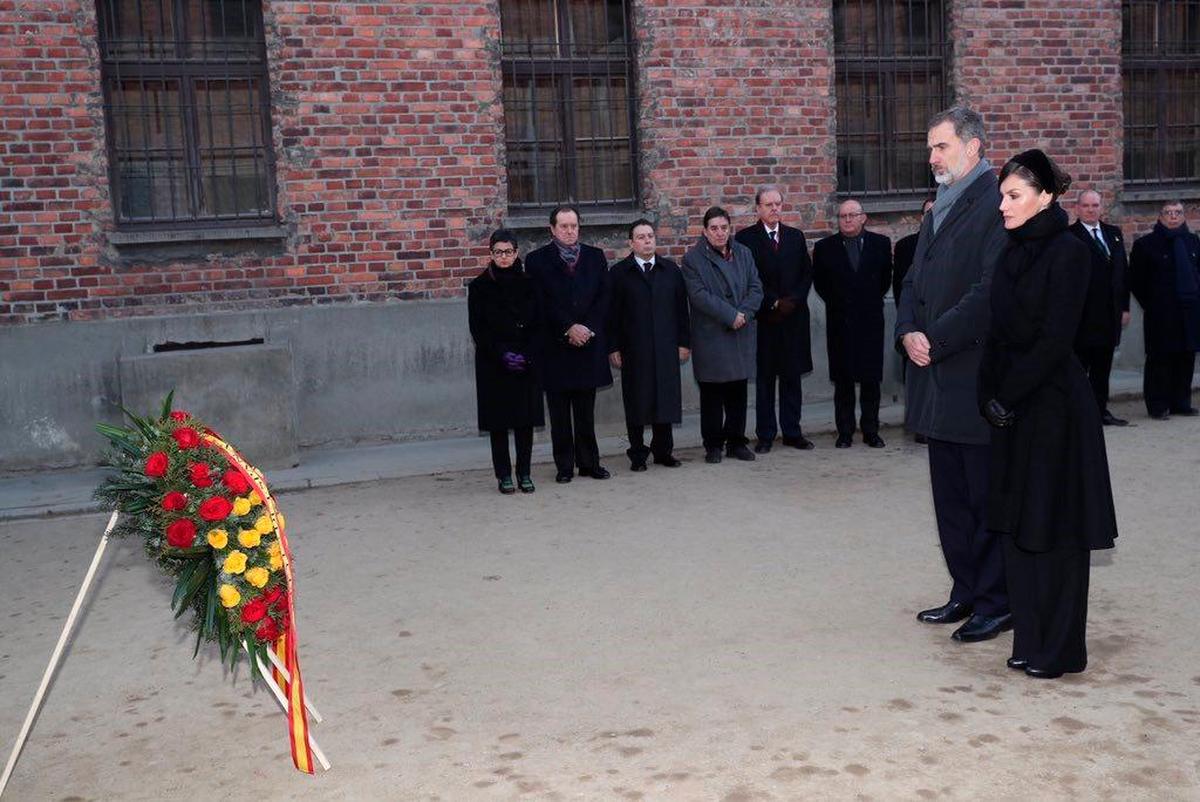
{"type": "Point", "coordinates": [514, 362]}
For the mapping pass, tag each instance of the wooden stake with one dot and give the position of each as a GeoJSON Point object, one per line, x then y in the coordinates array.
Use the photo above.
{"type": "Point", "coordinates": [279, 666]}
{"type": "Point", "coordinates": [57, 655]}
{"type": "Point", "coordinates": [279, 697]}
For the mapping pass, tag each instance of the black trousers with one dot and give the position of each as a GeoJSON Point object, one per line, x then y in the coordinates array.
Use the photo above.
{"type": "Point", "coordinates": [1167, 382]}
{"type": "Point", "coordinates": [1048, 592]}
{"type": "Point", "coordinates": [791, 400]}
{"type": "Point", "coordinates": [573, 429]}
{"type": "Point", "coordinates": [662, 442]}
{"type": "Point", "coordinates": [843, 407]}
{"type": "Point", "coordinates": [523, 438]}
{"type": "Point", "coordinates": [723, 413]}
{"type": "Point", "coordinates": [958, 474]}
{"type": "Point", "coordinates": [1097, 364]}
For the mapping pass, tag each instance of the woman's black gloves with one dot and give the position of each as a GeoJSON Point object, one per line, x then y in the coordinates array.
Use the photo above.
{"type": "Point", "coordinates": [998, 415]}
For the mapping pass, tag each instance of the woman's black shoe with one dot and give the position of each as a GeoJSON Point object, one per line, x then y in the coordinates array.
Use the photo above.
{"type": "Point", "coordinates": [506, 486]}
{"type": "Point", "coordinates": [1017, 663]}
{"type": "Point", "coordinates": [526, 484]}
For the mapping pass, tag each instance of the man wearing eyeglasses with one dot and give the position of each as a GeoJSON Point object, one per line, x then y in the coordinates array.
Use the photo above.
{"type": "Point", "coordinates": [1164, 276]}
{"type": "Point", "coordinates": [852, 272]}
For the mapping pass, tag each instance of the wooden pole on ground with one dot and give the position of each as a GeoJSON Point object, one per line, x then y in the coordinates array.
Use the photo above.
{"type": "Point", "coordinates": [279, 697]}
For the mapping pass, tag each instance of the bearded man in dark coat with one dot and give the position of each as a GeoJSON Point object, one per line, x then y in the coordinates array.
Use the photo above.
{"type": "Point", "coordinates": [852, 271]}
{"type": "Point", "coordinates": [648, 338]}
{"type": "Point", "coordinates": [1164, 275]}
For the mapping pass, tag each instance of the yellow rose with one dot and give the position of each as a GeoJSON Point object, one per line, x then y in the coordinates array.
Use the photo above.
{"type": "Point", "coordinates": [255, 498]}
{"type": "Point", "coordinates": [258, 576]}
{"type": "Point", "coordinates": [235, 563]}
{"type": "Point", "coordinates": [218, 538]}
{"type": "Point", "coordinates": [264, 525]}
{"type": "Point", "coordinates": [276, 561]}
{"type": "Point", "coordinates": [249, 538]}
{"type": "Point", "coordinates": [241, 505]}
{"type": "Point", "coordinates": [229, 596]}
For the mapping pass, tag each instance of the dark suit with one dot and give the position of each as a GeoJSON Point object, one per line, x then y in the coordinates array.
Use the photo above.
{"type": "Point", "coordinates": [571, 374]}
{"type": "Point", "coordinates": [784, 344]}
{"type": "Point", "coordinates": [1106, 299]}
{"type": "Point", "coordinates": [853, 298]}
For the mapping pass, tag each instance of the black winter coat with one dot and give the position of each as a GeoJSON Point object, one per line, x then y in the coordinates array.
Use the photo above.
{"type": "Point", "coordinates": [853, 305]}
{"type": "Point", "coordinates": [565, 300]}
{"type": "Point", "coordinates": [648, 324]}
{"type": "Point", "coordinates": [502, 309]}
{"type": "Point", "coordinates": [945, 295]}
{"type": "Point", "coordinates": [1171, 326]}
{"type": "Point", "coordinates": [1049, 483]}
{"type": "Point", "coordinates": [1107, 295]}
{"type": "Point", "coordinates": [906, 248]}
{"type": "Point", "coordinates": [784, 341]}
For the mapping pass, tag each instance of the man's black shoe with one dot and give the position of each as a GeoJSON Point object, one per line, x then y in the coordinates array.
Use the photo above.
{"type": "Point", "coordinates": [562, 477]}
{"type": "Point", "coordinates": [1187, 412]}
{"type": "Point", "coordinates": [1109, 419]}
{"type": "Point", "coordinates": [595, 473]}
{"type": "Point", "coordinates": [1017, 663]}
{"type": "Point", "coordinates": [948, 613]}
{"type": "Point", "coordinates": [873, 440]}
{"type": "Point", "coordinates": [637, 467]}
{"type": "Point", "coordinates": [843, 441]}
{"type": "Point", "coordinates": [799, 441]}
{"type": "Point", "coordinates": [740, 452]}
{"type": "Point", "coordinates": [1041, 673]}
{"type": "Point", "coordinates": [667, 462]}
{"type": "Point", "coordinates": [712, 455]}
{"type": "Point", "coordinates": [762, 447]}
{"type": "Point", "coordinates": [982, 627]}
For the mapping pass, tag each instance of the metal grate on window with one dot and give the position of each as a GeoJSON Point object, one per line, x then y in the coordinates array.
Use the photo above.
{"type": "Point", "coordinates": [187, 111]}
{"type": "Point", "coordinates": [568, 102]}
{"type": "Point", "coordinates": [1160, 65]}
{"type": "Point", "coordinates": [890, 62]}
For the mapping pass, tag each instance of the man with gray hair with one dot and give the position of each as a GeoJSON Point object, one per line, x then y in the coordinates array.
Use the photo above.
{"type": "Point", "coordinates": [941, 325]}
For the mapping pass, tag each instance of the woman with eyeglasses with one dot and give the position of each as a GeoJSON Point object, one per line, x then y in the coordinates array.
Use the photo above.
{"type": "Point", "coordinates": [503, 312]}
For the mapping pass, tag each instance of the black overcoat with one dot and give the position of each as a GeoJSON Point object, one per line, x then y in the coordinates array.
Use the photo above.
{"type": "Point", "coordinates": [1171, 326]}
{"type": "Point", "coordinates": [902, 260]}
{"type": "Point", "coordinates": [648, 324]}
{"type": "Point", "coordinates": [502, 310]}
{"type": "Point", "coordinates": [1107, 295]}
{"type": "Point", "coordinates": [945, 295]}
{"type": "Point", "coordinates": [567, 299]}
{"type": "Point", "coordinates": [784, 341]}
{"type": "Point", "coordinates": [1049, 483]}
{"type": "Point", "coordinates": [853, 305]}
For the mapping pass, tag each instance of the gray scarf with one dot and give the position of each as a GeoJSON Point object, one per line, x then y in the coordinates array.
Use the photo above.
{"type": "Point", "coordinates": [948, 194]}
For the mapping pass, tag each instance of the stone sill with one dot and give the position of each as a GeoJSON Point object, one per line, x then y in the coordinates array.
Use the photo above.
{"type": "Point", "coordinates": [591, 219]}
{"type": "Point", "coordinates": [884, 205]}
{"type": "Point", "coordinates": [1136, 194]}
{"type": "Point", "coordinates": [189, 235]}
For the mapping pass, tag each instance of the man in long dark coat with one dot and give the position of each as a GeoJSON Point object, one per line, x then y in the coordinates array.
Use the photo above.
{"type": "Point", "coordinates": [941, 325]}
{"type": "Point", "coordinates": [573, 290]}
{"type": "Point", "coordinates": [648, 338]}
{"type": "Point", "coordinates": [903, 252]}
{"type": "Point", "coordinates": [784, 347]}
{"type": "Point", "coordinates": [852, 271]}
{"type": "Point", "coordinates": [1106, 308]}
{"type": "Point", "coordinates": [1164, 275]}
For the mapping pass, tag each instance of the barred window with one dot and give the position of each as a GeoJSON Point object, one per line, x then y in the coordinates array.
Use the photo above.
{"type": "Point", "coordinates": [187, 112]}
{"type": "Point", "coordinates": [1160, 65]}
{"type": "Point", "coordinates": [890, 62]}
{"type": "Point", "coordinates": [568, 103]}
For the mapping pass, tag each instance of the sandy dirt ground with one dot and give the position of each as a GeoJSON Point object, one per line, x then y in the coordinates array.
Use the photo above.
{"type": "Point", "coordinates": [737, 632]}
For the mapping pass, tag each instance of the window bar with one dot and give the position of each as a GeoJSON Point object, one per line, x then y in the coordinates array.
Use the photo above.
{"type": "Point", "coordinates": [232, 150]}
{"type": "Point", "coordinates": [592, 86]}
{"type": "Point", "coordinates": [569, 190]}
{"type": "Point", "coordinates": [630, 120]}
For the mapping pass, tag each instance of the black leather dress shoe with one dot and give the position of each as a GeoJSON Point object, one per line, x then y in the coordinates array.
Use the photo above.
{"type": "Point", "coordinates": [799, 441]}
{"type": "Point", "coordinates": [1160, 415]}
{"type": "Point", "coordinates": [949, 613]}
{"type": "Point", "coordinates": [1017, 663]}
{"type": "Point", "coordinates": [873, 440]}
{"type": "Point", "coordinates": [740, 452]}
{"type": "Point", "coordinates": [1041, 673]}
{"type": "Point", "coordinates": [843, 441]}
{"type": "Point", "coordinates": [1109, 419]}
{"type": "Point", "coordinates": [982, 627]}
{"type": "Point", "coordinates": [637, 467]}
{"type": "Point", "coordinates": [562, 477]}
{"type": "Point", "coordinates": [1187, 412]}
{"type": "Point", "coordinates": [762, 447]}
{"type": "Point", "coordinates": [596, 473]}
{"type": "Point", "coordinates": [667, 462]}
{"type": "Point", "coordinates": [712, 455]}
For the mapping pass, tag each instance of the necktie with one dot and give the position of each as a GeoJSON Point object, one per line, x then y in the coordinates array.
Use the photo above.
{"type": "Point", "coordinates": [646, 266]}
{"type": "Point", "coordinates": [774, 235]}
{"type": "Point", "coordinates": [1100, 241]}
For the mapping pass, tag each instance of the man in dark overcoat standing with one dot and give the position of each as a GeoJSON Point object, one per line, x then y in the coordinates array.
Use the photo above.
{"type": "Point", "coordinates": [784, 343]}
{"type": "Point", "coordinates": [1164, 275]}
{"type": "Point", "coordinates": [573, 289]}
{"type": "Point", "coordinates": [903, 253]}
{"type": "Point", "coordinates": [941, 326]}
{"type": "Point", "coordinates": [1106, 309]}
{"type": "Point", "coordinates": [852, 271]}
{"type": "Point", "coordinates": [648, 338]}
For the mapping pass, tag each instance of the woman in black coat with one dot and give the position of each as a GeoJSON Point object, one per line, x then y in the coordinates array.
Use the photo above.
{"type": "Point", "coordinates": [502, 308]}
{"type": "Point", "coordinates": [1049, 492]}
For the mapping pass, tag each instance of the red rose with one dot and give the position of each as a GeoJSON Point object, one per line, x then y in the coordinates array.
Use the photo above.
{"type": "Point", "coordinates": [235, 481]}
{"type": "Point", "coordinates": [216, 508]}
{"type": "Point", "coordinates": [179, 415]}
{"type": "Point", "coordinates": [254, 610]}
{"type": "Point", "coordinates": [182, 533]}
{"type": "Point", "coordinates": [174, 501]}
{"type": "Point", "coordinates": [267, 631]}
{"type": "Point", "coordinates": [271, 595]}
{"type": "Point", "coordinates": [186, 437]}
{"type": "Point", "coordinates": [157, 464]}
{"type": "Point", "coordinates": [199, 473]}
{"type": "Point", "coordinates": [281, 604]}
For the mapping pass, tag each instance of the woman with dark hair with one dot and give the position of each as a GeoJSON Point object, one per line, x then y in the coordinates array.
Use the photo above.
{"type": "Point", "coordinates": [502, 309]}
{"type": "Point", "coordinates": [1049, 492]}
